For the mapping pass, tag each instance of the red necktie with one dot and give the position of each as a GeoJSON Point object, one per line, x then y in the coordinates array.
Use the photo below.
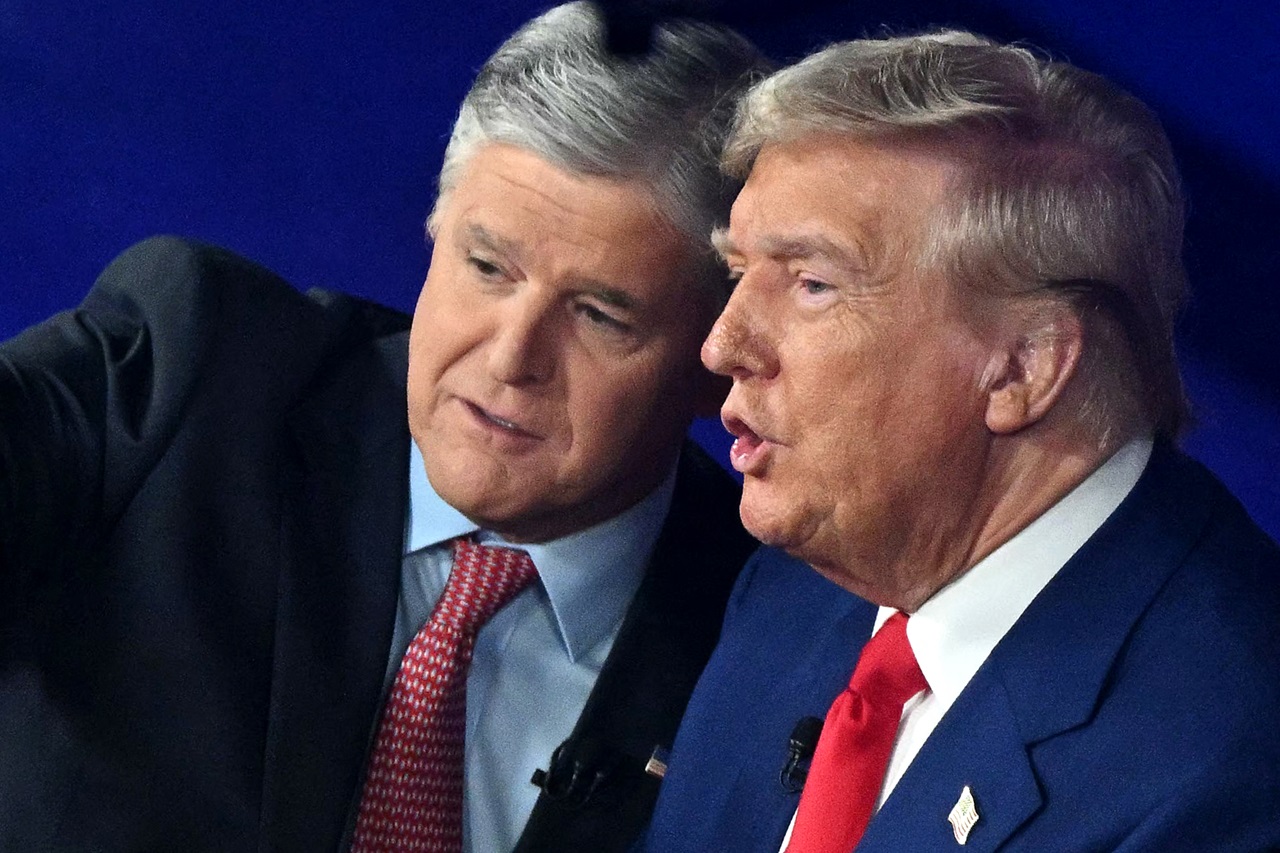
{"type": "Point", "coordinates": [857, 738]}
{"type": "Point", "coordinates": [412, 798]}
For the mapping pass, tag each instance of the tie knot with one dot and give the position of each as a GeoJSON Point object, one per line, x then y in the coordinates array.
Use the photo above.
{"type": "Point", "coordinates": [483, 579]}
{"type": "Point", "coordinates": [887, 672]}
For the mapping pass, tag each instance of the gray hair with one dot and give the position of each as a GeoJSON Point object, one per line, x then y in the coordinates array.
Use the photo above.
{"type": "Point", "coordinates": [1068, 192]}
{"type": "Point", "coordinates": [554, 90]}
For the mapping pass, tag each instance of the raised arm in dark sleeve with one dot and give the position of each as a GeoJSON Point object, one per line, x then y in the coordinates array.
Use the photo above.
{"type": "Point", "coordinates": [93, 397]}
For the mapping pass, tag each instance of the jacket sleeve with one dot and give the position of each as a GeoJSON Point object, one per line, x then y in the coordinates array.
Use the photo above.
{"type": "Point", "coordinates": [88, 400]}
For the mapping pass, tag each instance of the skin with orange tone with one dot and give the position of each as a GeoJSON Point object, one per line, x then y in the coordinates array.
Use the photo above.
{"type": "Point", "coordinates": [892, 429]}
{"type": "Point", "coordinates": [553, 359]}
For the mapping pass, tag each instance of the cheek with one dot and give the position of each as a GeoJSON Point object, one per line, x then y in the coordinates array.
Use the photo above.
{"type": "Point", "coordinates": [438, 340]}
{"type": "Point", "coordinates": [835, 395]}
{"type": "Point", "coordinates": [633, 414]}
{"type": "Point", "coordinates": [948, 384]}
{"type": "Point", "coordinates": [426, 347]}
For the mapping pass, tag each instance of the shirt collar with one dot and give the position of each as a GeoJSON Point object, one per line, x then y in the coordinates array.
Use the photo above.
{"type": "Point", "coordinates": [954, 631]}
{"type": "Point", "coordinates": [431, 520]}
{"type": "Point", "coordinates": [589, 576]}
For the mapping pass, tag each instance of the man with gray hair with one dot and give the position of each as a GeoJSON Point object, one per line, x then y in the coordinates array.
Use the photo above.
{"type": "Point", "coordinates": [240, 609]}
{"type": "Point", "coordinates": [1000, 609]}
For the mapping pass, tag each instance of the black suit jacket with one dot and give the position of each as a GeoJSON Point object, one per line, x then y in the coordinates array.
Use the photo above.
{"type": "Point", "coordinates": [203, 481]}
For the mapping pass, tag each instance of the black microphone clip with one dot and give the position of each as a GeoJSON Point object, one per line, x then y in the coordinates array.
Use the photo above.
{"type": "Point", "coordinates": [800, 747]}
{"type": "Point", "coordinates": [578, 770]}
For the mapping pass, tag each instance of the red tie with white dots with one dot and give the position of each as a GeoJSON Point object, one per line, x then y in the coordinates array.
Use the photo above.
{"type": "Point", "coordinates": [857, 740]}
{"type": "Point", "coordinates": [412, 799]}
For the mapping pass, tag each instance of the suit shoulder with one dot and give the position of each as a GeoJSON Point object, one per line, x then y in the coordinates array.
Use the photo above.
{"type": "Point", "coordinates": [200, 303]}
{"type": "Point", "coordinates": [168, 277]}
{"type": "Point", "coordinates": [772, 573]}
{"type": "Point", "coordinates": [1223, 599]}
{"type": "Point", "coordinates": [1228, 557]}
{"type": "Point", "coordinates": [164, 271]}
{"type": "Point", "coordinates": [1203, 646]}
{"type": "Point", "coordinates": [704, 511]}
{"type": "Point", "coordinates": [780, 602]}
{"type": "Point", "coordinates": [176, 332]}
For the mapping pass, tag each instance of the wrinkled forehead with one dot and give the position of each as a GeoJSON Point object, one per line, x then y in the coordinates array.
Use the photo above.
{"type": "Point", "coordinates": [840, 193]}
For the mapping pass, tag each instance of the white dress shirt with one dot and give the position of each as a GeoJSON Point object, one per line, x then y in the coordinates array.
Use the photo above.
{"type": "Point", "coordinates": [953, 632]}
{"type": "Point", "coordinates": [536, 660]}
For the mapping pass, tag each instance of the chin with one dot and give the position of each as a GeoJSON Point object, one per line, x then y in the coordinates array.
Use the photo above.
{"type": "Point", "coordinates": [768, 525]}
{"type": "Point", "coordinates": [789, 525]}
{"type": "Point", "coordinates": [500, 511]}
{"type": "Point", "coordinates": [465, 482]}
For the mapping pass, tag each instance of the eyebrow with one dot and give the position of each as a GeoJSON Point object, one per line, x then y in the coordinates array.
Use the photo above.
{"type": "Point", "coordinates": [722, 242]}
{"type": "Point", "coordinates": [802, 248]}
{"type": "Point", "coordinates": [606, 293]}
{"type": "Point", "coordinates": [489, 240]}
{"type": "Point", "coordinates": [609, 295]}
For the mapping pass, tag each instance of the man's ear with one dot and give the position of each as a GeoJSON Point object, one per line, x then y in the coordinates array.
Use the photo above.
{"type": "Point", "coordinates": [1030, 372]}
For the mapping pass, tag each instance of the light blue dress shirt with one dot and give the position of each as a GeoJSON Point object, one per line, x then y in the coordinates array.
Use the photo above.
{"type": "Point", "coordinates": [537, 659]}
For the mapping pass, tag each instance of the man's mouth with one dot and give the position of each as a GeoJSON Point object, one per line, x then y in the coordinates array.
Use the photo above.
{"type": "Point", "coordinates": [503, 424]}
{"type": "Point", "coordinates": [750, 450]}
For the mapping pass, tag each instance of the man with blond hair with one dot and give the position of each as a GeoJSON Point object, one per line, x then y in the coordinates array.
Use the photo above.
{"type": "Point", "coordinates": [1022, 618]}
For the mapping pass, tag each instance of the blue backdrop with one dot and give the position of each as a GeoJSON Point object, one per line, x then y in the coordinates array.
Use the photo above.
{"type": "Point", "coordinates": [307, 136]}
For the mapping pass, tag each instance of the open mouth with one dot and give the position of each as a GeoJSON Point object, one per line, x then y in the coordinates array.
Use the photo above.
{"type": "Point", "coordinates": [749, 450]}
{"type": "Point", "coordinates": [506, 426]}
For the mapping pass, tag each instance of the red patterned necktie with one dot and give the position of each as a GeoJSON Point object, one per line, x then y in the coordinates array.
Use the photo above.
{"type": "Point", "coordinates": [857, 738]}
{"type": "Point", "coordinates": [412, 798]}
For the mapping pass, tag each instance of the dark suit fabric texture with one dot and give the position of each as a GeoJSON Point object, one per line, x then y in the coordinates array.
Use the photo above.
{"type": "Point", "coordinates": [1132, 707]}
{"type": "Point", "coordinates": [203, 487]}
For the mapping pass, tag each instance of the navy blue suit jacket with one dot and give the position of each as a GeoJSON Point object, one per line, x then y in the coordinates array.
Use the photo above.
{"type": "Point", "coordinates": [1134, 706]}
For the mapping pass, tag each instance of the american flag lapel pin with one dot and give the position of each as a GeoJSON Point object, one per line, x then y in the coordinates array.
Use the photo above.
{"type": "Point", "coordinates": [964, 814]}
{"type": "Point", "coordinates": [657, 764]}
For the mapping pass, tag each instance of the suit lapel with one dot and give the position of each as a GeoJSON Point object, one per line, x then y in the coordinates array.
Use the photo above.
{"type": "Point", "coordinates": [1048, 673]}
{"type": "Point", "coordinates": [978, 744]}
{"type": "Point", "coordinates": [807, 690]}
{"type": "Point", "coordinates": [338, 589]}
{"type": "Point", "coordinates": [788, 650]}
{"type": "Point", "coordinates": [665, 639]}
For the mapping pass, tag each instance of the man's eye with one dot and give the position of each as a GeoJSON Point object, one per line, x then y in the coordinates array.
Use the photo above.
{"type": "Point", "coordinates": [486, 268]}
{"type": "Point", "coordinates": [815, 288]}
{"type": "Point", "coordinates": [597, 317]}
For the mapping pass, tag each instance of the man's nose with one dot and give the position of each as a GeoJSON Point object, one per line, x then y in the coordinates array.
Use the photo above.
{"type": "Point", "coordinates": [522, 347]}
{"type": "Point", "coordinates": [739, 345]}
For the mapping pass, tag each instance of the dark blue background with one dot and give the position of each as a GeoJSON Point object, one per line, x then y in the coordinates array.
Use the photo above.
{"type": "Point", "coordinates": [307, 136]}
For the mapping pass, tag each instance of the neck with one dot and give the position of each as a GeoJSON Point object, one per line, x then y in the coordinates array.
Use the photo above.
{"type": "Point", "coordinates": [1024, 481]}
{"type": "Point", "coordinates": [1022, 476]}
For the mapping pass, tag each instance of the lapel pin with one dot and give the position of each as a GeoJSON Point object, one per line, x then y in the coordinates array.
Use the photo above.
{"type": "Point", "coordinates": [964, 814]}
{"type": "Point", "coordinates": [657, 764]}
